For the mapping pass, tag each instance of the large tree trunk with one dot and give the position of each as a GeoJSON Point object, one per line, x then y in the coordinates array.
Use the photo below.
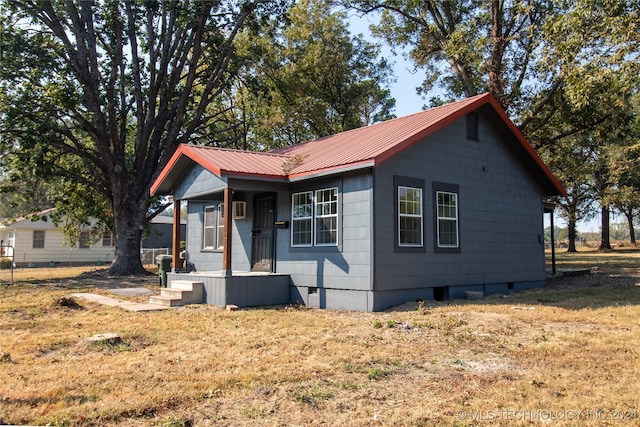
{"type": "Point", "coordinates": [605, 241]}
{"type": "Point", "coordinates": [127, 260]}
{"type": "Point", "coordinates": [632, 231]}
{"type": "Point", "coordinates": [572, 233]}
{"type": "Point", "coordinates": [129, 220]}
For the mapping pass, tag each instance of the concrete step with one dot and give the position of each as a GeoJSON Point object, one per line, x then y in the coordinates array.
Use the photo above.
{"type": "Point", "coordinates": [187, 285]}
{"type": "Point", "coordinates": [192, 291]}
{"type": "Point", "coordinates": [172, 293]}
{"type": "Point", "coordinates": [166, 301]}
{"type": "Point", "coordinates": [179, 293]}
{"type": "Point", "coordinates": [186, 297]}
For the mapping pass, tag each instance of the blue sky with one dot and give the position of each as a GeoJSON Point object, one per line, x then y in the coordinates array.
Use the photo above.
{"type": "Point", "coordinates": [406, 81]}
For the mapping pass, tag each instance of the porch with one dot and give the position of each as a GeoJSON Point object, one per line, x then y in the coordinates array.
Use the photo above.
{"type": "Point", "coordinates": [241, 288]}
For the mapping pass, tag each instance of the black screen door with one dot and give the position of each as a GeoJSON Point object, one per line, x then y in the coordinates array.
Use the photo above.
{"type": "Point", "coordinates": [262, 234]}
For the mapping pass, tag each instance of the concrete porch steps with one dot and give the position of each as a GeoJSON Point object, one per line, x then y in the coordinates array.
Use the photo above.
{"type": "Point", "coordinates": [181, 292]}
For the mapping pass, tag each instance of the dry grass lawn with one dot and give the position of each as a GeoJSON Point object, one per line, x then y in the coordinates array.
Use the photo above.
{"type": "Point", "coordinates": [564, 355]}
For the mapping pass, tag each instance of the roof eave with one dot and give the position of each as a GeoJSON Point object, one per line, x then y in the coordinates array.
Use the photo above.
{"type": "Point", "coordinates": [256, 176]}
{"type": "Point", "coordinates": [175, 168]}
{"type": "Point", "coordinates": [295, 177]}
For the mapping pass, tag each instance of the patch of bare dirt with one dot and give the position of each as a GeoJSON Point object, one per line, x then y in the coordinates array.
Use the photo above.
{"type": "Point", "coordinates": [101, 279]}
{"type": "Point", "coordinates": [619, 277]}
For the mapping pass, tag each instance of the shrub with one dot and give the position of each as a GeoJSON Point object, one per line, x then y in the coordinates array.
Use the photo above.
{"type": "Point", "coordinates": [5, 263]}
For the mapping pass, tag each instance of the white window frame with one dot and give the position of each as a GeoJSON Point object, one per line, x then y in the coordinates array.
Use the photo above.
{"type": "Point", "coordinates": [239, 210]}
{"type": "Point", "coordinates": [401, 215]}
{"type": "Point", "coordinates": [108, 239]}
{"type": "Point", "coordinates": [10, 245]}
{"type": "Point", "coordinates": [297, 218]}
{"type": "Point", "coordinates": [448, 218]}
{"type": "Point", "coordinates": [209, 228]}
{"type": "Point", "coordinates": [319, 206]}
{"type": "Point", "coordinates": [43, 239]}
{"type": "Point", "coordinates": [84, 240]}
{"type": "Point", "coordinates": [220, 227]}
{"type": "Point", "coordinates": [11, 239]}
{"type": "Point", "coordinates": [320, 210]}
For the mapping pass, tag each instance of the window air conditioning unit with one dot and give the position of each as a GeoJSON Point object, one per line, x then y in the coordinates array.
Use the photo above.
{"type": "Point", "coordinates": [239, 210]}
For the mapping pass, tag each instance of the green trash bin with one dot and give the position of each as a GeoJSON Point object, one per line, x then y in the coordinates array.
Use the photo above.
{"type": "Point", "coordinates": [164, 265]}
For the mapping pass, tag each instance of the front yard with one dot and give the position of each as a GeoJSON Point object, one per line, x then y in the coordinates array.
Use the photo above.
{"type": "Point", "coordinates": [567, 353]}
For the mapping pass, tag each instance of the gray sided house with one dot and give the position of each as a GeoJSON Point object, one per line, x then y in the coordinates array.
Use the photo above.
{"type": "Point", "coordinates": [161, 232]}
{"type": "Point", "coordinates": [426, 206]}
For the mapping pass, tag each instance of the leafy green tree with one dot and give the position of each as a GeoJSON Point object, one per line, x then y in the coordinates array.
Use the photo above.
{"type": "Point", "coordinates": [100, 94]}
{"type": "Point", "coordinates": [22, 198]}
{"type": "Point", "coordinates": [625, 197]}
{"type": "Point", "coordinates": [586, 145]}
{"type": "Point", "coordinates": [608, 160]}
{"type": "Point", "coordinates": [570, 169]}
{"type": "Point", "coordinates": [467, 47]}
{"type": "Point", "coordinates": [626, 200]}
{"type": "Point", "coordinates": [521, 51]}
{"type": "Point", "coordinates": [313, 79]}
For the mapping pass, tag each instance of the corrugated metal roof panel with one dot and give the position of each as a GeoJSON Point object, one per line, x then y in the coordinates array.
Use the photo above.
{"type": "Point", "coordinates": [226, 161]}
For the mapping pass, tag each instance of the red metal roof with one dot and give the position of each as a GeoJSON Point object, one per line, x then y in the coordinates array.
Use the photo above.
{"type": "Point", "coordinates": [233, 162]}
{"type": "Point", "coordinates": [378, 142]}
{"type": "Point", "coordinates": [363, 147]}
{"type": "Point", "coordinates": [218, 161]}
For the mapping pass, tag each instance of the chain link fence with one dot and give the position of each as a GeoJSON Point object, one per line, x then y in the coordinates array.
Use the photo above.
{"type": "Point", "coordinates": [148, 255]}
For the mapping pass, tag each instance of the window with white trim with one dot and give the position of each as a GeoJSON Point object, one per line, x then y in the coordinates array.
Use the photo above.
{"type": "Point", "coordinates": [220, 227]}
{"type": "Point", "coordinates": [447, 221]}
{"type": "Point", "coordinates": [213, 227]}
{"type": "Point", "coordinates": [326, 217]}
{"type": "Point", "coordinates": [108, 240]}
{"type": "Point", "coordinates": [302, 219]}
{"type": "Point", "coordinates": [408, 214]}
{"type": "Point", "coordinates": [410, 219]}
{"type": "Point", "coordinates": [84, 240]}
{"type": "Point", "coordinates": [314, 218]}
{"type": "Point", "coordinates": [38, 239]}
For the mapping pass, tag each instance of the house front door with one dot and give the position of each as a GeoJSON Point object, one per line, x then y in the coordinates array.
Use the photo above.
{"type": "Point", "coordinates": [262, 234]}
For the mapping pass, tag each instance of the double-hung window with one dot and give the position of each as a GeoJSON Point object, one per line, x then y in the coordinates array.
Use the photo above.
{"type": "Point", "coordinates": [447, 222]}
{"type": "Point", "coordinates": [326, 217]}
{"type": "Point", "coordinates": [213, 227]}
{"type": "Point", "coordinates": [84, 240]}
{"type": "Point", "coordinates": [38, 239]}
{"type": "Point", "coordinates": [108, 240]}
{"type": "Point", "coordinates": [314, 218]}
{"type": "Point", "coordinates": [410, 217]}
{"type": "Point", "coordinates": [220, 227]}
{"type": "Point", "coordinates": [302, 219]}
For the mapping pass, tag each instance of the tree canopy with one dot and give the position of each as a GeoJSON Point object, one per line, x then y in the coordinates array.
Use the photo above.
{"type": "Point", "coordinates": [309, 78]}
{"type": "Point", "coordinates": [96, 96]}
{"type": "Point", "coordinates": [100, 94]}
